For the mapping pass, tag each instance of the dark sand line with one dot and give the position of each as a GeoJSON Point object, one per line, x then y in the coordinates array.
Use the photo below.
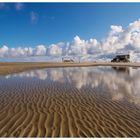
{"type": "Point", "coordinates": [14, 67]}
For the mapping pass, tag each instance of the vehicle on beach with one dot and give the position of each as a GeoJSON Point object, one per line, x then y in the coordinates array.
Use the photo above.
{"type": "Point", "coordinates": [67, 59]}
{"type": "Point", "coordinates": [121, 58]}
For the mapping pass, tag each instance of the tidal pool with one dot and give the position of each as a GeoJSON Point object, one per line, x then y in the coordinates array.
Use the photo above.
{"type": "Point", "coordinates": [71, 102]}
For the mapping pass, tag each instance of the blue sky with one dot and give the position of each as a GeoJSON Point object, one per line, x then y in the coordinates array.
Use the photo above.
{"type": "Point", "coordinates": [93, 31]}
{"type": "Point", "coordinates": [31, 24]}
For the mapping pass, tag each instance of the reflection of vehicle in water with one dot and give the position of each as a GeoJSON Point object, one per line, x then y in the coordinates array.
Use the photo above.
{"type": "Point", "coordinates": [67, 59]}
{"type": "Point", "coordinates": [121, 58]}
{"type": "Point", "coordinates": [121, 69]}
{"type": "Point", "coordinates": [134, 67]}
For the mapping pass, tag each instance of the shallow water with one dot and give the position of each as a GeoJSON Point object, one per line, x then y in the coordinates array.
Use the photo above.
{"type": "Point", "coordinates": [71, 102]}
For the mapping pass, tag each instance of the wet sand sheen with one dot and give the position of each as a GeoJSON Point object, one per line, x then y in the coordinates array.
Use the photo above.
{"type": "Point", "coordinates": [35, 108]}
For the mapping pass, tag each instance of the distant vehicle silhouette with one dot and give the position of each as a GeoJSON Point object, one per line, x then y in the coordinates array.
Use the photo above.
{"type": "Point", "coordinates": [66, 60]}
{"type": "Point", "coordinates": [121, 58]}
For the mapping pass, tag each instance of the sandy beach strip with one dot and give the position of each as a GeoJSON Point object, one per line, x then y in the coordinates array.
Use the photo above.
{"type": "Point", "coordinates": [13, 67]}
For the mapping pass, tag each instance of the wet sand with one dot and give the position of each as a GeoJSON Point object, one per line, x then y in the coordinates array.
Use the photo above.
{"type": "Point", "coordinates": [13, 67]}
{"type": "Point", "coordinates": [43, 108]}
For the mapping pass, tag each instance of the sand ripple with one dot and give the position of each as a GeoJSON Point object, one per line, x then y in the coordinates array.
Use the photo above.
{"type": "Point", "coordinates": [35, 108]}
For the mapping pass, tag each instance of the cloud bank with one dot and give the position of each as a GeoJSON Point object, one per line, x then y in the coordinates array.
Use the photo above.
{"type": "Point", "coordinates": [118, 40]}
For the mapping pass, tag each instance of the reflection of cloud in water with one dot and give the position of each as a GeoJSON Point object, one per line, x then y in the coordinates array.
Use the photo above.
{"type": "Point", "coordinates": [56, 75]}
{"type": "Point", "coordinates": [118, 84]}
{"type": "Point", "coordinates": [40, 74]}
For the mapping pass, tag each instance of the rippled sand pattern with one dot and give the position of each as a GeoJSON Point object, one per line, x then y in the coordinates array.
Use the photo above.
{"type": "Point", "coordinates": [34, 108]}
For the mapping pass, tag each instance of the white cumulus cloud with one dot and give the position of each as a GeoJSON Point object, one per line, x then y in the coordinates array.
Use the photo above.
{"type": "Point", "coordinates": [40, 50]}
{"type": "Point", "coordinates": [55, 49]}
{"type": "Point", "coordinates": [118, 40]}
{"type": "Point", "coordinates": [3, 51]}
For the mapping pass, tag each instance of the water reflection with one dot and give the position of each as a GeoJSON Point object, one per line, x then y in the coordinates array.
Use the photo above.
{"type": "Point", "coordinates": [121, 69]}
{"type": "Point", "coordinates": [120, 83]}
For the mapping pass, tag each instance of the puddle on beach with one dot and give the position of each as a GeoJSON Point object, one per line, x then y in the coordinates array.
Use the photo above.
{"type": "Point", "coordinates": [118, 83]}
{"type": "Point", "coordinates": [71, 102]}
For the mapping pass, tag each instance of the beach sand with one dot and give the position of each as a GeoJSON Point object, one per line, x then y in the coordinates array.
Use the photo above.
{"type": "Point", "coordinates": [39, 109]}
{"type": "Point", "coordinates": [13, 67]}
{"type": "Point", "coordinates": [35, 108]}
